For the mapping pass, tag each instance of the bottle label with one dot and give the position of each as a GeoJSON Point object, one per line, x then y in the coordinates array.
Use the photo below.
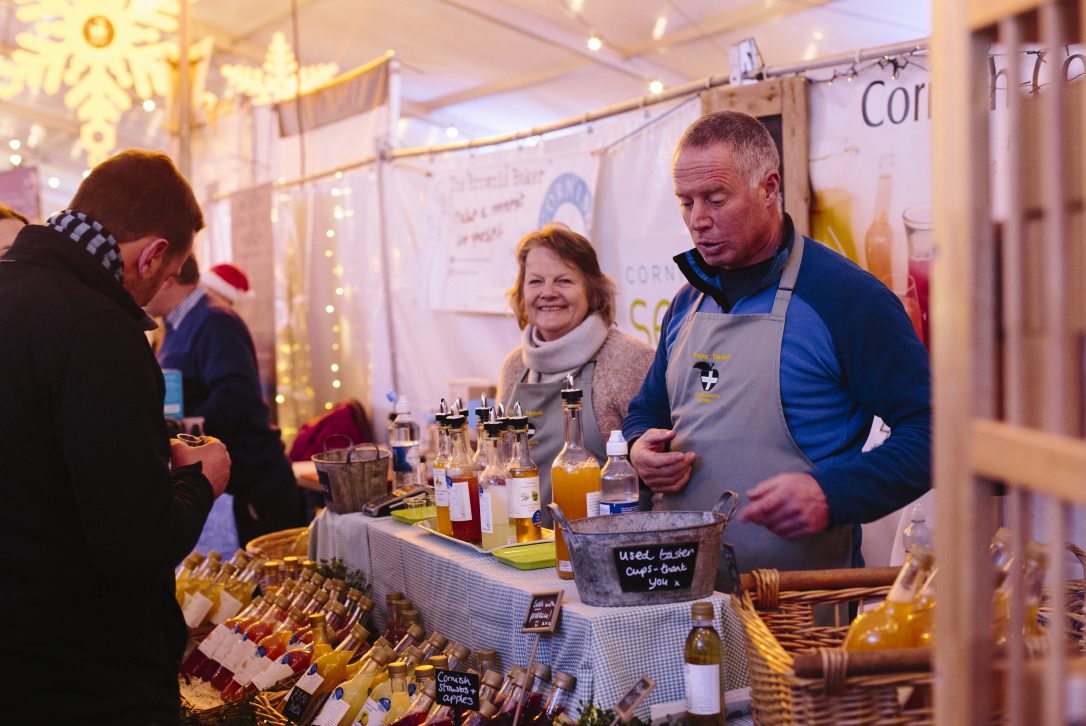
{"type": "Point", "coordinates": [299, 697]}
{"type": "Point", "coordinates": [608, 508]}
{"type": "Point", "coordinates": [460, 500]}
{"type": "Point", "coordinates": [251, 666]}
{"type": "Point", "coordinates": [334, 709]}
{"type": "Point", "coordinates": [272, 675]}
{"type": "Point", "coordinates": [441, 491]}
{"type": "Point", "coordinates": [374, 712]}
{"type": "Point", "coordinates": [565, 566]}
{"type": "Point", "coordinates": [405, 459]}
{"type": "Point", "coordinates": [229, 606]}
{"type": "Point", "coordinates": [213, 640]}
{"type": "Point", "coordinates": [592, 504]}
{"type": "Point", "coordinates": [241, 650]}
{"type": "Point", "coordinates": [197, 609]}
{"type": "Point", "coordinates": [702, 689]}
{"type": "Point", "coordinates": [523, 495]}
{"type": "Point", "coordinates": [486, 513]}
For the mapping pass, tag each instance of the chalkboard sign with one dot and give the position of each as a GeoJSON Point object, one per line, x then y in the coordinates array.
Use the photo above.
{"type": "Point", "coordinates": [543, 610]}
{"type": "Point", "coordinates": [456, 689]}
{"type": "Point", "coordinates": [731, 566]}
{"type": "Point", "coordinates": [628, 704]}
{"type": "Point", "coordinates": [645, 568]}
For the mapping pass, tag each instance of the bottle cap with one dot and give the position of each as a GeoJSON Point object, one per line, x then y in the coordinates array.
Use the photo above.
{"type": "Point", "coordinates": [365, 604]}
{"type": "Point", "coordinates": [321, 597]}
{"type": "Point", "coordinates": [213, 555]}
{"type": "Point", "coordinates": [702, 611]}
{"type": "Point", "coordinates": [296, 614]}
{"type": "Point", "coordinates": [382, 656]}
{"type": "Point", "coordinates": [337, 608]}
{"type": "Point", "coordinates": [361, 632]}
{"type": "Point", "coordinates": [460, 652]}
{"type": "Point", "coordinates": [414, 653]}
{"type": "Point", "coordinates": [401, 605]}
{"type": "Point", "coordinates": [316, 579]}
{"type": "Point", "coordinates": [355, 594]}
{"type": "Point", "coordinates": [484, 409]}
{"type": "Point", "coordinates": [488, 710]}
{"type": "Point", "coordinates": [542, 671]}
{"type": "Point", "coordinates": [515, 672]}
{"type": "Point", "coordinates": [403, 405]}
{"type": "Point", "coordinates": [415, 631]}
{"type": "Point", "coordinates": [917, 513]}
{"type": "Point", "coordinates": [317, 620]}
{"type": "Point", "coordinates": [492, 678]}
{"type": "Point", "coordinates": [392, 597]}
{"type": "Point", "coordinates": [412, 616]}
{"type": "Point", "coordinates": [281, 602]}
{"type": "Point", "coordinates": [616, 445]}
{"type": "Point", "coordinates": [517, 419]}
{"type": "Point", "coordinates": [439, 661]}
{"type": "Point", "coordinates": [494, 428]}
{"type": "Point", "coordinates": [425, 672]}
{"type": "Point", "coordinates": [564, 681]}
{"type": "Point", "coordinates": [309, 565]}
{"type": "Point", "coordinates": [397, 668]}
{"type": "Point", "coordinates": [571, 395]}
{"type": "Point", "coordinates": [439, 641]}
{"type": "Point", "coordinates": [194, 559]}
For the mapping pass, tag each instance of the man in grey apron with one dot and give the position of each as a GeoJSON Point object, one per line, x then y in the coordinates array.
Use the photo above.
{"type": "Point", "coordinates": [772, 362]}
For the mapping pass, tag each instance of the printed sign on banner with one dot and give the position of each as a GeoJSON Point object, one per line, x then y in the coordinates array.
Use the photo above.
{"type": "Point", "coordinates": [484, 210]}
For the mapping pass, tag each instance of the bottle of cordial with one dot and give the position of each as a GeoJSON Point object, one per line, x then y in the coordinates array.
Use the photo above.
{"type": "Point", "coordinates": [704, 666]}
{"type": "Point", "coordinates": [462, 481]}
{"type": "Point", "coordinates": [522, 481]}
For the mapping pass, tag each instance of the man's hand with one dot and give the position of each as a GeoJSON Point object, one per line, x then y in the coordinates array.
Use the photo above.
{"type": "Point", "coordinates": [212, 454]}
{"type": "Point", "coordinates": [662, 471]}
{"type": "Point", "coordinates": [789, 505]}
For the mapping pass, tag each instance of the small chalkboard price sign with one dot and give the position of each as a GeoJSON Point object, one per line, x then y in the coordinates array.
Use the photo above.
{"type": "Point", "coordinates": [628, 704]}
{"type": "Point", "coordinates": [543, 610]}
{"type": "Point", "coordinates": [456, 689]}
{"type": "Point", "coordinates": [644, 568]}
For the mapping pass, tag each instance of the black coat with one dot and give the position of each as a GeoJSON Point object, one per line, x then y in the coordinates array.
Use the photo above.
{"type": "Point", "coordinates": [93, 521]}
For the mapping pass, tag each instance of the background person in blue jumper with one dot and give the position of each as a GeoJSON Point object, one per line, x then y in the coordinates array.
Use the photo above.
{"type": "Point", "coordinates": [213, 349]}
{"type": "Point", "coordinates": [772, 361]}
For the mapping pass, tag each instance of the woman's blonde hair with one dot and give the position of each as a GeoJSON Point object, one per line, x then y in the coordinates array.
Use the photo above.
{"type": "Point", "coordinates": [576, 251]}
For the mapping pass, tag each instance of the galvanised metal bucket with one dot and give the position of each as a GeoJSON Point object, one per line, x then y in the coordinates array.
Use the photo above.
{"type": "Point", "coordinates": [646, 558]}
{"type": "Point", "coordinates": [351, 477]}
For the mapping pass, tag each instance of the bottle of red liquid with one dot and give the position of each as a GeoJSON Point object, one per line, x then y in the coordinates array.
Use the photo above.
{"type": "Point", "coordinates": [486, 713]}
{"type": "Point", "coordinates": [297, 659]}
{"type": "Point", "coordinates": [270, 648]}
{"type": "Point", "coordinates": [462, 481]}
{"type": "Point", "coordinates": [420, 706]}
{"type": "Point", "coordinates": [537, 693]}
{"type": "Point", "coordinates": [232, 645]}
{"type": "Point", "coordinates": [434, 645]}
{"type": "Point", "coordinates": [560, 698]}
{"type": "Point", "coordinates": [392, 625]}
{"type": "Point", "coordinates": [207, 647]}
{"type": "Point", "coordinates": [509, 685]}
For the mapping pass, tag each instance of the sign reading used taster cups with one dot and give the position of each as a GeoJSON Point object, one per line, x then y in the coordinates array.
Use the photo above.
{"type": "Point", "coordinates": [644, 568]}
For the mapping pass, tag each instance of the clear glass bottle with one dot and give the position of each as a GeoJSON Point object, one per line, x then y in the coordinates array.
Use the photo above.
{"type": "Point", "coordinates": [618, 480]}
{"type": "Point", "coordinates": [575, 475]}
{"type": "Point", "coordinates": [441, 491]}
{"type": "Point", "coordinates": [703, 657]}
{"type": "Point", "coordinates": [347, 698]}
{"type": "Point", "coordinates": [879, 240]}
{"type": "Point", "coordinates": [482, 415]}
{"type": "Point", "coordinates": [887, 626]}
{"type": "Point", "coordinates": [917, 531]}
{"type": "Point", "coordinates": [522, 480]}
{"type": "Point", "coordinates": [462, 481]}
{"type": "Point", "coordinates": [493, 492]}
{"type": "Point", "coordinates": [403, 440]}
{"type": "Point", "coordinates": [559, 700]}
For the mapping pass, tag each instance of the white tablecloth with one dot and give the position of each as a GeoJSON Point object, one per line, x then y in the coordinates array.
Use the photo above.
{"type": "Point", "coordinates": [473, 599]}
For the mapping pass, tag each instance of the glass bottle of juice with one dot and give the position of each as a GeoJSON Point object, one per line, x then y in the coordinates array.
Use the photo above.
{"type": "Point", "coordinates": [879, 240]}
{"type": "Point", "coordinates": [462, 481]}
{"type": "Point", "coordinates": [186, 568]}
{"type": "Point", "coordinates": [200, 577]}
{"type": "Point", "coordinates": [487, 712]}
{"type": "Point", "coordinates": [356, 665]}
{"type": "Point", "coordinates": [441, 491]}
{"type": "Point", "coordinates": [390, 613]}
{"type": "Point", "coordinates": [1033, 583]}
{"type": "Point", "coordinates": [297, 659]}
{"type": "Point", "coordinates": [379, 708]}
{"type": "Point", "coordinates": [559, 701]}
{"type": "Point", "coordinates": [268, 651]}
{"type": "Point", "coordinates": [247, 647]}
{"type": "Point", "coordinates": [419, 707]}
{"type": "Point", "coordinates": [508, 685]}
{"type": "Point", "coordinates": [324, 672]}
{"type": "Point", "coordinates": [413, 635]}
{"type": "Point", "coordinates": [703, 657]}
{"type": "Point", "coordinates": [347, 698]}
{"type": "Point", "coordinates": [434, 644]}
{"type": "Point", "coordinates": [536, 692]}
{"type": "Point", "coordinates": [493, 492]}
{"type": "Point", "coordinates": [201, 600]}
{"type": "Point", "coordinates": [1002, 554]}
{"type": "Point", "coordinates": [483, 414]}
{"type": "Point", "coordinates": [887, 626]}
{"type": "Point", "coordinates": [489, 684]}
{"type": "Point", "coordinates": [922, 618]}
{"type": "Point", "coordinates": [575, 476]}
{"type": "Point", "coordinates": [458, 655]}
{"type": "Point", "coordinates": [522, 481]}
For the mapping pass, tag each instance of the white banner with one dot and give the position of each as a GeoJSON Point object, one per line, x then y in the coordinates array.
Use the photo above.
{"type": "Point", "coordinates": [483, 211]}
{"type": "Point", "coordinates": [251, 235]}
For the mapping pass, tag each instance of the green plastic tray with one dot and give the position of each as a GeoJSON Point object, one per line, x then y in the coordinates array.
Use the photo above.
{"type": "Point", "coordinates": [413, 515]}
{"type": "Point", "coordinates": [527, 557]}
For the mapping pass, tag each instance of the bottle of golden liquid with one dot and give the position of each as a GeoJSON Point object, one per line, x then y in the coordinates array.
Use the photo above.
{"type": "Point", "coordinates": [441, 492]}
{"type": "Point", "coordinates": [347, 698]}
{"type": "Point", "coordinates": [887, 626]}
{"type": "Point", "coordinates": [575, 475]}
{"type": "Point", "coordinates": [205, 600]}
{"type": "Point", "coordinates": [703, 657]}
{"type": "Point", "coordinates": [1033, 584]}
{"type": "Point", "coordinates": [398, 697]}
{"type": "Point", "coordinates": [922, 618]}
{"type": "Point", "coordinates": [522, 481]}
{"type": "Point", "coordinates": [879, 240]}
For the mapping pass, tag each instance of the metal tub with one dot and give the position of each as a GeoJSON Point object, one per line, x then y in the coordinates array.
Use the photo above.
{"type": "Point", "coordinates": [646, 558]}
{"type": "Point", "coordinates": [351, 477]}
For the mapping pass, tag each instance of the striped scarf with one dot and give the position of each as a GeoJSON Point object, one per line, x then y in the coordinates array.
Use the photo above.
{"type": "Point", "coordinates": [94, 238]}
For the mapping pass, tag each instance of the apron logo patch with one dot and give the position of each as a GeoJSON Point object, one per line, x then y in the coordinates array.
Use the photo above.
{"type": "Point", "coordinates": [709, 375]}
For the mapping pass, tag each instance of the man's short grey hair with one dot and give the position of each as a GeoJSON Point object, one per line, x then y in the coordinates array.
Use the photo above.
{"type": "Point", "coordinates": [746, 137]}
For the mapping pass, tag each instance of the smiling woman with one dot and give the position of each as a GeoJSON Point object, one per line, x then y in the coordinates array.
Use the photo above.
{"type": "Point", "coordinates": [565, 304]}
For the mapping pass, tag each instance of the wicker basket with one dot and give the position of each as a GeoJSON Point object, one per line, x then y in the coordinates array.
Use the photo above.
{"type": "Point", "coordinates": [266, 708]}
{"type": "Point", "coordinates": [798, 672]}
{"type": "Point", "coordinates": [277, 545]}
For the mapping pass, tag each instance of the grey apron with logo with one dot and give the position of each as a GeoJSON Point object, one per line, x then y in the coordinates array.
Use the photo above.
{"type": "Point", "coordinates": [542, 404]}
{"type": "Point", "coordinates": [723, 380]}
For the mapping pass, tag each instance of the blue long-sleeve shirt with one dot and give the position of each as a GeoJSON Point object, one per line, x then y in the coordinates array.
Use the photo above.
{"type": "Point", "coordinates": [849, 353]}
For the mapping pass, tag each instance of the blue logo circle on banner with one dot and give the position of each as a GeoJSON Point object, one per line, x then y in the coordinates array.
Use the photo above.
{"type": "Point", "coordinates": [567, 188]}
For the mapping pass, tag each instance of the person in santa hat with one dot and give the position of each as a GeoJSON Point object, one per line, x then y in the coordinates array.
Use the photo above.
{"type": "Point", "coordinates": [210, 344]}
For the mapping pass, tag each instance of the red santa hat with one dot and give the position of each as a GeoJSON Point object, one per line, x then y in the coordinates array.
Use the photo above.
{"type": "Point", "coordinates": [228, 280]}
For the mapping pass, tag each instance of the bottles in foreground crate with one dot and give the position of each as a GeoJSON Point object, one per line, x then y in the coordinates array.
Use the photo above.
{"type": "Point", "coordinates": [887, 626]}
{"type": "Point", "coordinates": [703, 657]}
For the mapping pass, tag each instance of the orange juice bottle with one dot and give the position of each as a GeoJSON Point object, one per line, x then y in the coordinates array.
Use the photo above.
{"type": "Point", "coordinates": [575, 475]}
{"type": "Point", "coordinates": [922, 618]}
{"type": "Point", "coordinates": [441, 459]}
{"type": "Point", "coordinates": [522, 481]}
{"type": "Point", "coordinates": [887, 626]}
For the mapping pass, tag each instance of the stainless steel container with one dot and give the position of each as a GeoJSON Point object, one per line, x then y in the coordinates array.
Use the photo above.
{"type": "Point", "coordinates": [351, 477]}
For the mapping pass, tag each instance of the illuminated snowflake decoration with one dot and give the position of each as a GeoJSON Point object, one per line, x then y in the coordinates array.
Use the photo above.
{"type": "Point", "coordinates": [100, 50]}
{"type": "Point", "coordinates": [277, 79]}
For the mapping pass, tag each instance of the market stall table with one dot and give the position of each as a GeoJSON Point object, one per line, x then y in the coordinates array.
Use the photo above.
{"type": "Point", "coordinates": [471, 598]}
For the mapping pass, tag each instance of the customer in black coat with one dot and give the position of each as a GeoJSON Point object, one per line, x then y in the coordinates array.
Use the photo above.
{"type": "Point", "coordinates": [94, 520]}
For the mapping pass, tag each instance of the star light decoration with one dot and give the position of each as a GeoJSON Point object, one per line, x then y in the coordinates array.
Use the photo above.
{"type": "Point", "coordinates": [101, 51]}
{"type": "Point", "coordinates": [277, 79]}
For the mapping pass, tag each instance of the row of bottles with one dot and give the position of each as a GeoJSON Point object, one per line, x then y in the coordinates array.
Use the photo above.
{"type": "Point", "coordinates": [210, 591]}
{"type": "Point", "coordinates": [492, 497]}
{"type": "Point", "coordinates": [906, 618]}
